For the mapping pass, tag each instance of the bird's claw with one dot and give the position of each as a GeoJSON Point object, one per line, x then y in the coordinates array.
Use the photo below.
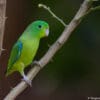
{"type": "Point", "coordinates": [26, 80]}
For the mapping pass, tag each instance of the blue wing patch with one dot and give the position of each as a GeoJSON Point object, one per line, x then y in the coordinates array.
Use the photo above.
{"type": "Point", "coordinates": [15, 54]}
{"type": "Point", "coordinates": [19, 47]}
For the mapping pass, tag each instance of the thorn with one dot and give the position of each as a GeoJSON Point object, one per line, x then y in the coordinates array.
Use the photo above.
{"type": "Point", "coordinates": [37, 63]}
{"type": "Point", "coordinates": [59, 42]}
{"type": "Point", "coordinates": [1, 49]}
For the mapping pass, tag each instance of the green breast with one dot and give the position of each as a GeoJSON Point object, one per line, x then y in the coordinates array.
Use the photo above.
{"type": "Point", "coordinates": [29, 50]}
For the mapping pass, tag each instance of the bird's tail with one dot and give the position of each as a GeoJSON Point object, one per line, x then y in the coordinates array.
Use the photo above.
{"type": "Point", "coordinates": [8, 72]}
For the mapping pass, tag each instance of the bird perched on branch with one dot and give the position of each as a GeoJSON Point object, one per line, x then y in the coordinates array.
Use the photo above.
{"type": "Point", "coordinates": [25, 48]}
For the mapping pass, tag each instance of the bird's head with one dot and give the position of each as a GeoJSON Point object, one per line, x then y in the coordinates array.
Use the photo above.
{"type": "Point", "coordinates": [39, 29]}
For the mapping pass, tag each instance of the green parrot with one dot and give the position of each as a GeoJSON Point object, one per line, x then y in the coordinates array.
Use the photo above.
{"type": "Point", "coordinates": [25, 48]}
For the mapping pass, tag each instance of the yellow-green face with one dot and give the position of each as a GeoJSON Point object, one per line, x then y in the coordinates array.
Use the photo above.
{"type": "Point", "coordinates": [39, 29]}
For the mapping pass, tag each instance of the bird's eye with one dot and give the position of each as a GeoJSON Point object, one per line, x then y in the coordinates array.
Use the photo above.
{"type": "Point", "coordinates": [39, 26]}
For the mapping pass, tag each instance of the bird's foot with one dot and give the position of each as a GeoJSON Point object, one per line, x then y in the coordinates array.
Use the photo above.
{"type": "Point", "coordinates": [29, 82]}
{"type": "Point", "coordinates": [37, 63]}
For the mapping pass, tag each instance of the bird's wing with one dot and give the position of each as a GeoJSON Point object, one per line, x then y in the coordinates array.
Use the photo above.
{"type": "Point", "coordinates": [15, 54]}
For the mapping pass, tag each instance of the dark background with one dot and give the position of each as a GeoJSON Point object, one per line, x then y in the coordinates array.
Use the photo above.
{"type": "Point", "coordinates": [74, 73]}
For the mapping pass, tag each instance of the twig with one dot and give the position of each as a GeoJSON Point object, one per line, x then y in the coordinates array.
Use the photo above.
{"type": "Point", "coordinates": [2, 22]}
{"type": "Point", "coordinates": [92, 9]}
{"type": "Point", "coordinates": [52, 50]}
{"type": "Point", "coordinates": [53, 14]}
{"type": "Point", "coordinates": [95, 8]}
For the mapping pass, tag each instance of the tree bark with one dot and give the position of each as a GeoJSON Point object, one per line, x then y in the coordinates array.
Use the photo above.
{"type": "Point", "coordinates": [2, 22]}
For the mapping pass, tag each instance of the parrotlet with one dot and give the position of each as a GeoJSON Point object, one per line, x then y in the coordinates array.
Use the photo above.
{"type": "Point", "coordinates": [24, 50]}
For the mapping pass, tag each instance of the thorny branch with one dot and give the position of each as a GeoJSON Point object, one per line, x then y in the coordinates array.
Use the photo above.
{"type": "Point", "coordinates": [86, 5]}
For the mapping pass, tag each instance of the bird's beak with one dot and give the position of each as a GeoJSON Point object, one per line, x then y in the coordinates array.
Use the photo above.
{"type": "Point", "coordinates": [47, 32]}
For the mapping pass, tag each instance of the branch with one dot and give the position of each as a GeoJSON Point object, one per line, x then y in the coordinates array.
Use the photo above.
{"type": "Point", "coordinates": [95, 8]}
{"type": "Point", "coordinates": [53, 14]}
{"type": "Point", "coordinates": [52, 50]}
{"type": "Point", "coordinates": [2, 22]}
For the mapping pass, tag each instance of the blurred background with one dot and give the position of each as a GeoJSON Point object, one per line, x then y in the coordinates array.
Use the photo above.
{"type": "Point", "coordinates": [74, 73]}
